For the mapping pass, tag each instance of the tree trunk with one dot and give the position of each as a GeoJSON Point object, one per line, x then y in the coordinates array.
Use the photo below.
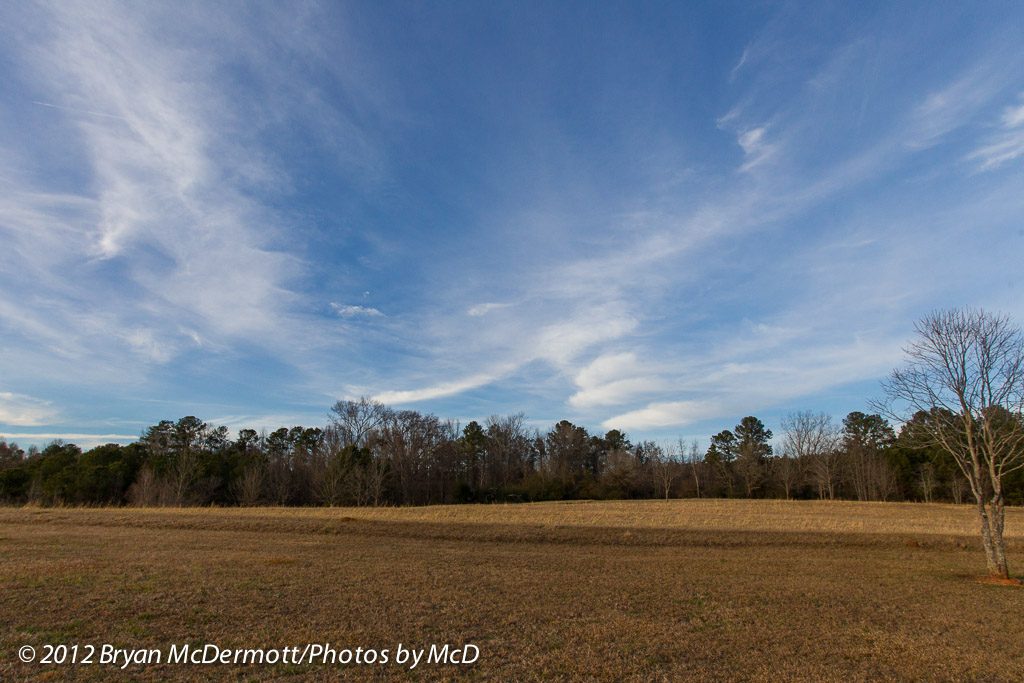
{"type": "Point", "coordinates": [992, 537]}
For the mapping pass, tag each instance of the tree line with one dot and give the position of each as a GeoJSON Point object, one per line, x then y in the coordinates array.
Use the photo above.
{"type": "Point", "coordinates": [372, 454]}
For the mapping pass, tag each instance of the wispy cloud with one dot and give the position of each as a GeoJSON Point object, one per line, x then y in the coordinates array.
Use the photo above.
{"type": "Point", "coordinates": [146, 343]}
{"type": "Point", "coordinates": [169, 237]}
{"type": "Point", "coordinates": [83, 441]}
{"type": "Point", "coordinates": [1007, 144]}
{"type": "Point", "coordinates": [739, 65]}
{"type": "Point", "coordinates": [665, 414]}
{"type": "Point", "coordinates": [614, 379]}
{"type": "Point", "coordinates": [25, 411]}
{"type": "Point", "coordinates": [561, 342]}
{"type": "Point", "coordinates": [954, 105]}
{"type": "Point", "coordinates": [164, 202]}
{"type": "Point", "coordinates": [616, 298]}
{"type": "Point", "coordinates": [734, 383]}
{"type": "Point", "coordinates": [437, 391]}
{"type": "Point", "coordinates": [1003, 148]}
{"type": "Point", "coordinates": [79, 111]}
{"type": "Point", "coordinates": [755, 147]}
{"type": "Point", "coordinates": [268, 422]}
{"type": "Point", "coordinates": [196, 182]}
{"type": "Point", "coordinates": [484, 309]}
{"type": "Point", "coordinates": [752, 139]}
{"type": "Point", "coordinates": [1014, 116]}
{"type": "Point", "coordinates": [351, 311]}
{"type": "Point", "coordinates": [837, 320]}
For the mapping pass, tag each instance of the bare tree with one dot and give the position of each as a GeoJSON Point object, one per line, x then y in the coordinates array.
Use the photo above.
{"type": "Point", "coordinates": [249, 486]}
{"type": "Point", "coordinates": [402, 442]}
{"type": "Point", "coordinates": [665, 467]}
{"type": "Point", "coordinates": [958, 488]}
{"type": "Point", "coordinates": [508, 445]}
{"type": "Point", "coordinates": [813, 438]}
{"type": "Point", "coordinates": [373, 478]}
{"type": "Point", "coordinates": [966, 370]}
{"type": "Point", "coordinates": [333, 480]}
{"type": "Point", "coordinates": [695, 458]}
{"type": "Point", "coordinates": [790, 471]}
{"type": "Point", "coordinates": [145, 491]}
{"type": "Point", "coordinates": [357, 421]}
{"type": "Point", "coordinates": [926, 480]}
{"type": "Point", "coordinates": [183, 473]}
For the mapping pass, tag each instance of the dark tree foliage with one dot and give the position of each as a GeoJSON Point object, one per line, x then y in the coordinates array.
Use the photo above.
{"type": "Point", "coordinates": [722, 449]}
{"type": "Point", "coordinates": [371, 454]}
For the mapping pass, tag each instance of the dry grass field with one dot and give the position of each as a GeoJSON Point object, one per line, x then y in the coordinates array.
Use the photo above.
{"type": "Point", "coordinates": [616, 591]}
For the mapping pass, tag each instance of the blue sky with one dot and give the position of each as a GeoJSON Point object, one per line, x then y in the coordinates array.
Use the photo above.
{"type": "Point", "coordinates": [657, 217]}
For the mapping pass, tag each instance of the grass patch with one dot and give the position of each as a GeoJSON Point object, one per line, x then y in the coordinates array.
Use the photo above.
{"type": "Point", "coordinates": [634, 590]}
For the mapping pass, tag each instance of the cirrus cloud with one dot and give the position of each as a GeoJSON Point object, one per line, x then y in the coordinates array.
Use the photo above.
{"type": "Point", "coordinates": [25, 411]}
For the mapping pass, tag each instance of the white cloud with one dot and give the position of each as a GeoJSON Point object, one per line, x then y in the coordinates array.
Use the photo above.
{"type": "Point", "coordinates": [998, 151]}
{"type": "Point", "coordinates": [756, 148]}
{"type": "Point", "coordinates": [1013, 116]}
{"type": "Point", "coordinates": [1006, 145]}
{"type": "Point", "coordinates": [483, 309]}
{"type": "Point", "coordinates": [166, 233]}
{"type": "Point", "coordinates": [608, 367]}
{"type": "Point", "coordinates": [25, 411]}
{"type": "Point", "coordinates": [951, 107]}
{"type": "Point", "coordinates": [165, 199]}
{"type": "Point", "coordinates": [613, 379]}
{"type": "Point", "coordinates": [740, 378]}
{"type": "Point", "coordinates": [664, 414]}
{"type": "Point", "coordinates": [350, 311]}
{"type": "Point", "coordinates": [268, 422]}
{"type": "Point", "coordinates": [146, 343]}
{"type": "Point", "coordinates": [751, 139]}
{"type": "Point", "coordinates": [436, 391]}
{"type": "Point", "coordinates": [83, 441]}
{"type": "Point", "coordinates": [740, 63]}
{"type": "Point", "coordinates": [615, 393]}
{"type": "Point", "coordinates": [562, 341]}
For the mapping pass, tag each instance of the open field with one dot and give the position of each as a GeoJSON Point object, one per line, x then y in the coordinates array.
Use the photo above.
{"type": "Point", "coordinates": [645, 590]}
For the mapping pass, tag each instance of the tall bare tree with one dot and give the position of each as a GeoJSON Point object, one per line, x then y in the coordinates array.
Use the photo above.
{"type": "Point", "coordinates": [665, 468]}
{"type": "Point", "coordinates": [248, 487]}
{"type": "Point", "coordinates": [789, 471]}
{"type": "Point", "coordinates": [695, 459]}
{"type": "Point", "coordinates": [813, 438]}
{"type": "Point", "coordinates": [966, 368]}
{"type": "Point", "coordinates": [358, 421]}
{"type": "Point", "coordinates": [508, 446]}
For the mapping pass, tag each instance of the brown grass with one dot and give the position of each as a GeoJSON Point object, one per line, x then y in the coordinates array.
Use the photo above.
{"type": "Point", "coordinates": [693, 514]}
{"type": "Point", "coordinates": [647, 590]}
